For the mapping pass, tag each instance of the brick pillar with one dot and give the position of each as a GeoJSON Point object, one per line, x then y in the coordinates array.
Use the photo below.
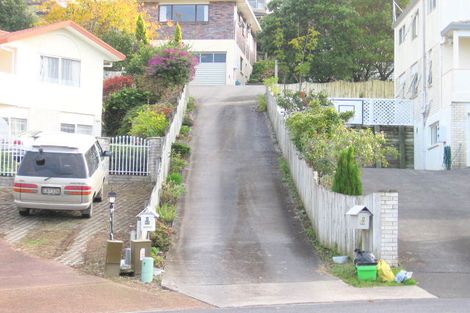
{"type": "Point", "coordinates": [155, 156]}
{"type": "Point", "coordinates": [458, 133]}
{"type": "Point", "coordinates": [389, 227]}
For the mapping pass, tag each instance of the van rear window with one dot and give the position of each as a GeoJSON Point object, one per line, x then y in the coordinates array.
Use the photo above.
{"type": "Point", "coordinates": [47, 164]}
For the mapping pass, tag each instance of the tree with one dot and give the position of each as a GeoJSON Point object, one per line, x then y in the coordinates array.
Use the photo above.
{"type": "Point", "coordinates": [99, 17]}
{"type": "Point", "coordinates": [178, 39]}
{"type": "Point", "coordinates": [141, 31]}
{"type": "Point", "coordinates": [15, 15]}
{"type": "Point", "coordinates": [348, 175]}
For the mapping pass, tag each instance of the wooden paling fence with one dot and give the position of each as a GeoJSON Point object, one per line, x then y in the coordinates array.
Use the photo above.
{"type": "Point", "coordinates": [344, 89]}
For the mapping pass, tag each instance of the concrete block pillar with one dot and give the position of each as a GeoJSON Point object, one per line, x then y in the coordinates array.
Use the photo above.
{"type": "Point", "coordinates": [155, 156]}
{"type": "Point", "coordinates": [389, 227]}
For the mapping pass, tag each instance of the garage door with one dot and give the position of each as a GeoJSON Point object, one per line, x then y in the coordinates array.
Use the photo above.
{"type": "Point", "coordinates": [211, 69]}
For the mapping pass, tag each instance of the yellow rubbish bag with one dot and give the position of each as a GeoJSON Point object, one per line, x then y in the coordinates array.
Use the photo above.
{"type": "Point", "coordinates": [384, 271]}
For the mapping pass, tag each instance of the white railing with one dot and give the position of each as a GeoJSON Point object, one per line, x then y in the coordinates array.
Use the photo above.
{"type": "Point", "coordinates": [130, 156]}
{"type": "Point", "coordinates": [11, 155]}
{"type": "Point", "coordinates": [371, 112]}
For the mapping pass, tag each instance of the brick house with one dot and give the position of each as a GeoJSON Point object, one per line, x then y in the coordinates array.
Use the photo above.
{"type": "Point", "coordinates": [432, 68]}
{"type": "Point", "coordinates": [222, 33]}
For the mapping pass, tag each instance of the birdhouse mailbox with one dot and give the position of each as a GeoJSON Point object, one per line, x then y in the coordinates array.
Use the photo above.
{"type": "Point", "coordinates": [147, 220]}
{"type": "Point", "coordinates": [360, 217]}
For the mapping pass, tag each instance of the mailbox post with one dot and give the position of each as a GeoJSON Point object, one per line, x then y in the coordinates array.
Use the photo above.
{"type": "Point", "coordinates": [360, 217]}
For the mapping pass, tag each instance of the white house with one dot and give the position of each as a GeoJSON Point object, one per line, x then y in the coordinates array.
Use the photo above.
{"type": "Point", "coordinates": [432, 67]}
{"type": "Point", "coordinates": [221, 33]}
{"type": "Point", "coordinates": [51, 79]}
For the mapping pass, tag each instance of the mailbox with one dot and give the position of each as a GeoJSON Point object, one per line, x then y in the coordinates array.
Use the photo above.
{"type": "Point", "coordinates": [360, 217]}
{"type": "Point", "coordinates": [146, 222]}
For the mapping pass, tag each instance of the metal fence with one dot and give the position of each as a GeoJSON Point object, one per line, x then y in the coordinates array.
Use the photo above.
{"type": "Point", "coordinates": [11, 155]}
{"type": "Point", "coordinates": [130, 156]}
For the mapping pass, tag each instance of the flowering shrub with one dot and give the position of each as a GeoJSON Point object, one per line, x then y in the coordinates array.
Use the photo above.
{"type": "Point", "coordinates": [172, 66]}
{"type": "Point", "coordinates": [117, 83]}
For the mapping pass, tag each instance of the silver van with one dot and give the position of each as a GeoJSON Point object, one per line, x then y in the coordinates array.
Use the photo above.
{"type": "Point", "coordinates": [61, 172]}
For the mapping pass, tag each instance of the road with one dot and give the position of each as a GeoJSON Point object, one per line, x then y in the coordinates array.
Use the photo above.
{"type": "Point", "coordinates": [415, 306]}
{"type": "Point", "coordinates": [434, 219]}
{"type": "Point", "coordinates": [239, 242]}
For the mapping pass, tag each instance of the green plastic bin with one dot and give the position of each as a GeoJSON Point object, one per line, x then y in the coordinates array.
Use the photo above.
{"type": "Point", "coordinates": [366, 272]}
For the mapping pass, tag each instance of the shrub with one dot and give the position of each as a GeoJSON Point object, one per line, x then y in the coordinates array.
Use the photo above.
{"type": "Point", "coordinates": [185, 130]}
{"type": "Point", "coordinates": [147, 123]}
{"type": "Point", "coordinates": [172, 66]}
{"type": "Point", "coordinates": [181, 148]}
{"type": "Point", "coordinates": [191, 105]}
{"type": "Point", "coordinates": [171, 192]}
{"type": "Point", "coordinates": [114, 84]}
{"type": "Point", "coordinates": [119, 103]}
{"type": "Point", "coordinates": [262, 103]}
{"type": "Point", "coordinates": [165, 109]}
{"type": "Point", "coordinates": [157, 257]}
{"type": "Point", "coordinates": [124, 42]}
{"type": "Point", "coordinates": [177, 164]}
{"type": "Point", "coordinates": [348, 176]}
{"type": "Point", "coordinates": [167, 213]}
{"type": "Point", "coordinates": [161, 237]}
{"type": "Point", "coordinates": [139, 60]}
{"type": "Point", "coordinates": [187, 121]}
{"type": "Point", "coordinates": [261, 70]}
{"type": "Point", "coordinates": [175, 178]}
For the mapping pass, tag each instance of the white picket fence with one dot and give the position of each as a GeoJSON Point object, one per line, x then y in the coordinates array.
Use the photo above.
{"type": "Point", "coordinates": [130, 156]}
{"type": "Point", "coordinates": [10, 156]}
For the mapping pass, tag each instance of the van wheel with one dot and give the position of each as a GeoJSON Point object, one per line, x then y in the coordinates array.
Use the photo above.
{"type": "Point", "coordinates": [99, 196]}
{"type": "Point", "coordinates": [88, 212]}
{"type": "Point", "coordinates": [24, 212]}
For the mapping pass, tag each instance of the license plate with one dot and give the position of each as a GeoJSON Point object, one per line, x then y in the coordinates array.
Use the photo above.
{"type": "Point", "coordinates": [53, 191]}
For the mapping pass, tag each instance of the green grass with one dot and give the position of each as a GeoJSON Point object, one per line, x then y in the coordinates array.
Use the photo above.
{"type": "Point", "coordinates": [36, 242]}
{"type": "Point", "coordinates": [167, 213]}
{"type": "Point", "coordinates": [345, 272]}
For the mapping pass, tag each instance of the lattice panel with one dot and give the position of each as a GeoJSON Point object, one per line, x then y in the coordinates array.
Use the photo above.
{"type": "Point", "coordinates": [393, 112]}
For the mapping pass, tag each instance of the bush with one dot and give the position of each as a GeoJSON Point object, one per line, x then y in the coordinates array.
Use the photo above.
{"type": "Point", "coordinates": [262, 103]}
{"type": "Point", "coordinates": [187, 121]}
{"type": "Point", "coordinates": [161, 237]}
{"type": "Point", "coordinates": [147, 123]}
{"type": "Point", "coordinates": [171, 192]}
{"type": "Point", "coordinates": [348, 176]}
{"type": "Point", "coordinates": [185, 130]}
{"type": "Point", "coordinates": [138, 61]}
{"type": "Point", "coordinates": [157, 257]}
{"type": "Point", "coordinates": [114, 84]}
{"type": "Point", "coordinates": [262, 70]}
{"type": "Point", "coordinates": [172, 67]}
{"type": "Point", "coordinates": [167, 213]}
{"type": "Point", "coordinates": [123, 42]}
{"type": "Point", "coordinates": [177, 164]}
{"type": "Point", "coordinates": [191, 105]}
{"type": "Point", "coordinates": [165, 109]}
{"type": "Point", "coordinates": [181, 149]}
{"type": "Point", "coordinates": [175, 178]}
{"type": "Point", "coordinates": [119, 103]}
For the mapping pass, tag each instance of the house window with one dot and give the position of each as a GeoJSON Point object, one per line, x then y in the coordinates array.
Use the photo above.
{"type": "Point", "coordinates": [401, 86]}
{"type": "Point", "coordinates": [67, 128]}
{"type": "Point", "coordinates": [414, 26]}
{"type": "Point", "coordinates": [429, 68]}
{"type": "Point", "coordinates": [414, 81]}
{"type": "Point", "coordinates": [16, 126]}
{"type": "Point", "coordinates": [434, 128]}
{"type": "Point", "coordinates": [211, 57]}
{"type": "Point", "coordinates": [76, 129]}
{"type": "Point", "coordinates": [431, 5]}
{"type": "Point", "coordinates": [84, 129]}
{"type": "Point", "coordinates": [184, 13]}
{"type": "Point", "coordinates": [402, 34]}
{"type": "Point", "coordinates": [7, 61]}
{"type": "Point", "coordinates": [60, 71]}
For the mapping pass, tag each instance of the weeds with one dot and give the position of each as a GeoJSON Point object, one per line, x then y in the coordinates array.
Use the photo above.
{"type": "Point", "coordinates": [175, 178]}
{"type": "Point", "coordinates": [182, 149]}
{"type": "Point", "coordinates": [167, 213]}
{"type": "Point", "coordinates": [262, 103]}
{"type": "Point", "coordinates": [178, 163]}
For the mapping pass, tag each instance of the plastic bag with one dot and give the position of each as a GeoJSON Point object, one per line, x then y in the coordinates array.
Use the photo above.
{"type": "Point", "coordinates": [402, 276]}
{"type": "Point", "coordinates": [384, 271]}
{"type": "Point", "coordinates": [364, 258]}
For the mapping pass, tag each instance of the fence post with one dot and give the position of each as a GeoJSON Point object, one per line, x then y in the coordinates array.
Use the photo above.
{"type": "Point", "coordinates": [155, 154]}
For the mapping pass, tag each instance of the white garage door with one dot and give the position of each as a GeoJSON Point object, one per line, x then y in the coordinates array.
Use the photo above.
{"type": "Point", "coordinates": [211, 69]}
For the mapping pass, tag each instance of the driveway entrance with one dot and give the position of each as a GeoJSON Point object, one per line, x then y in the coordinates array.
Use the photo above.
{"type": "Point", "coordinates": [434, 220]}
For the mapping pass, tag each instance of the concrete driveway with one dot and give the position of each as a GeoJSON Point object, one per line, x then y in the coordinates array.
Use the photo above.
{"type": "Point", "coordinates": [239, 242]}
{"type": "Point", "coordinates": [434, 221]}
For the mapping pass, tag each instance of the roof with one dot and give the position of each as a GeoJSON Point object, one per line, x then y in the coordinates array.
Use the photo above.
{"type": "Point", "coordinates": [407, 10]}
{"type": "Point", "coordinates": [464, 25]}
{"type": "Point", "coordinates": [63, 141]}
{"type": "Point", "coordinates": [111, 53]}
{"type": "Point", "coordinates": [2, 32]}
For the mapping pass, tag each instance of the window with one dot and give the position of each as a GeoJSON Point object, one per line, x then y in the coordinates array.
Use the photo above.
{"type": "Point", "coordinates": [414, 26]}
{"type": "Point", "coordinates": [184, 13]}
{"type": "Point", "coordinates": [92, 160]}
{"type": "Point", "coordinates": [211, 57]}
{"type": "Point", "coordinates": [7, 61]}
{"type": "Point", "coordinates": [429, 68]}
{"type": "Point", "coordinates": [14, 127]}
{"type": "Point", "coordinates": [434, 128]}
{"type": "Point", "coordinates": [401, 86]}
{"type": "Point", "coordinates": [402, 34]}
{"type": "Point", "coordinates": [414, 81]}
{"type": "Point", "coordinates": [431, 5]}
{"type": "Point", "coordinates": [76, 128]}
{"type": "Point", "coordinates": [60, 71]}
{"type": "Point", "coordinates": [241, 64]}
{"type": "Point", "coordinates": [61, 165]}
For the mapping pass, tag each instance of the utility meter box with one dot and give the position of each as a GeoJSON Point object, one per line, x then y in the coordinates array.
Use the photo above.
{"type": "Point", "coordinates": [360, 217]}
